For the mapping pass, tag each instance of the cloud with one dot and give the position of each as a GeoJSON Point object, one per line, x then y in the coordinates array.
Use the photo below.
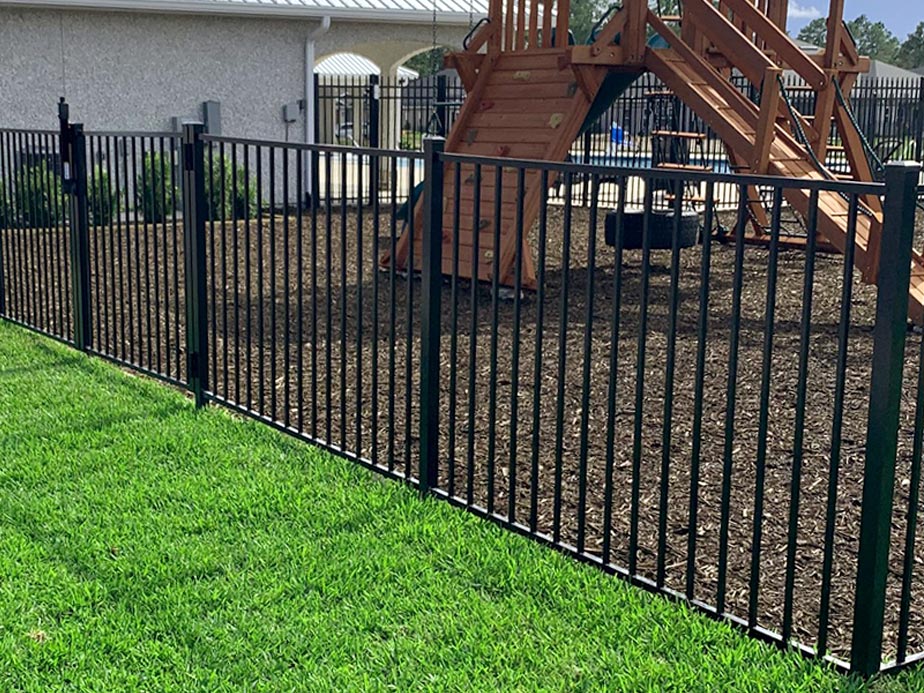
{"type": "Point", "coordinates": [797, 11]}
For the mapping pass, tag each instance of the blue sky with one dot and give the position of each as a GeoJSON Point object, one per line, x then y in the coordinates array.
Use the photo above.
{"type": "Point", "coordinates": [901, 16]}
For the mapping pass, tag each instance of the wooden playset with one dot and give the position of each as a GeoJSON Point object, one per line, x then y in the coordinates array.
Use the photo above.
{"type": "Point", "coordinates": [531, 91]}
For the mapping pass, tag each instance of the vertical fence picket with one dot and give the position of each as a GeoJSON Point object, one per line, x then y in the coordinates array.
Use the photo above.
{"type": "Point", "coordinates": [919, 129]}
{"type": "Point", "coordinates": [882, 429]}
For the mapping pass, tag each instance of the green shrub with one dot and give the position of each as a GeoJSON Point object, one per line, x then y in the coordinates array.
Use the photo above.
{"type": "Point", "coordinates": [155, 194]}
{"type": "Point", "coordinates": [235, 203]}
{"type": "Point", "coordinates": [411, 139]}
{"type": "Point", "coordinates": [101, 201]}
{"type": "Point", "coordinates": [37, 196]}
{"type": "Point", "coordinates": [6, 209]}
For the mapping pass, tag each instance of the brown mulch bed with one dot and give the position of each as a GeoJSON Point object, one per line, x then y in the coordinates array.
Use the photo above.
{"type": "Point", "coordinates": [383, 373]}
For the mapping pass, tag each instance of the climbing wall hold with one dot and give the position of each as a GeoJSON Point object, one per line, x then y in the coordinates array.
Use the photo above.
{"type": "Point", "coordinates": [521, 75]}
{"type": "Point", "coordinates": [470, 135]}
{"type": "Point", "coordinates": [503, 150]}
{"type": "Point", "coordinates": [556, 120]}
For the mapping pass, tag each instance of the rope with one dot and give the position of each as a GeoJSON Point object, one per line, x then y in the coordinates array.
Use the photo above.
{"type": "Point", "coordinates": [800, 132]}
{"type": "Point", "coordinates": [872, 156]}
{"type": "Point", "coordinates": [804, 141]}
{"type": "Point", "coordinates": [875, 163]}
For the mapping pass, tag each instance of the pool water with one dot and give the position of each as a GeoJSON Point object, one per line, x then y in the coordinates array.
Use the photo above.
{"type": "Point", "coordinates": [622, 161]}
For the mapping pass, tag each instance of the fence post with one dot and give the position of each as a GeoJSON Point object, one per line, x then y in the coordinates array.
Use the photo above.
{"type": "Point", "coordinates": [431, 276]}
{"type": "Point", "coordinates": [197, 367]}
{"type": "Point", "coordinates": [374, 112]}
{"type": "Point", "coordinates": [919, 149]}
{"type": "Point", "coordinates": [883, 423]}
{"type": "Point", "coordinates": [75, 183]}
{"type": "Point", "coordinates": [442, 108]}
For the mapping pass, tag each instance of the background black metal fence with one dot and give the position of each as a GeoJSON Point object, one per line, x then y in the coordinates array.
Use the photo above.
{"type": "Point", "coordinates": [371, 111]}
{"type": "Point", "coordinates": [374, 111]}
{"type": "Point", "coordinates": [398, 114]}
{"type": "Point", "coordinates": [714, 421]}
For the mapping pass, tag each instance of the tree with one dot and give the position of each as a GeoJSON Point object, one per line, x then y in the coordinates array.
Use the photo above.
{"type": "Point", "coordinates": [584, 13]}
{"type": "Point", "coordinates": [814, 32]}
{"type": "Point", "coordinates": [427, 63]}
{"type": "Point", "coordinates": [911, 54]}
{"type": "Point", "coordinates": [872, 38]}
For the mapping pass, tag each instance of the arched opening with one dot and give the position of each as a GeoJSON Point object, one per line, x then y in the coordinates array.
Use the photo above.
{"type": "Point", "coordinates": [337, 65]}
{"type": "Point", "coordinates": [345, 84]}
{"type": "Point", "coordinates": [426, 61]}
{"type": "Point", "coordinates": [430, 103]}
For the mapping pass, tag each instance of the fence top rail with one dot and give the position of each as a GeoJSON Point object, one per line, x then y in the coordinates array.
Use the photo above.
{"type": "Point", "coordinates": [320, 148]}
{"type": "Point", "coordinates": [135, 134]}
{"type": "Point", "coordinates": [822, 185]}
{"type": "Point", "coordinates": [28, 131]}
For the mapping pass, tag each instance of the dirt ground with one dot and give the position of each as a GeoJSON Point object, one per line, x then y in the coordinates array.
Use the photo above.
{"type": "Point", "coordinates": [306, 329]}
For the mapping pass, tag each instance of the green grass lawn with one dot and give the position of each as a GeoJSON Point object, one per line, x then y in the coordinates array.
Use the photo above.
{"type": "Point", "coordinates": [145, 545]}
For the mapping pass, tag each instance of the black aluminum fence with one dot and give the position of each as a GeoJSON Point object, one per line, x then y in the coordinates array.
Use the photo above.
{"type": "Point", "coordinates": [397, 114]}
{"type": "Point", "coordinates": [369, 111]}
{"type": "Point", "coordinates": [36, 245]}
{"type": "Point", "coordinates": [739, 427]}
{"type": "Point", "coordinates": [304, 331]}
{"type": "Point", "coordinates": [136, 251]}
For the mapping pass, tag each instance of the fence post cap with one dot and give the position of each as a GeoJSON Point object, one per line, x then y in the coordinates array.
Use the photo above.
{"type": "Point", "coordinates": [434, 142]}
{"type": "Point", "coordinates": [903, 165]}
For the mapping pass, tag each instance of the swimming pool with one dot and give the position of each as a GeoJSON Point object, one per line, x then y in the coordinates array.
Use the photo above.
{"type": "Point", "coordinates": [644, 161]}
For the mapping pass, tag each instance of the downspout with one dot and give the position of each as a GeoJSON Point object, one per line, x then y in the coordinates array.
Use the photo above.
{"type": "Point", "coordinates": [310, 115]}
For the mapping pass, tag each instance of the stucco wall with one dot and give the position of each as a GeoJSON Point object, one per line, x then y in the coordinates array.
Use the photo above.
{"type": "Point", "coordinates": [137, 71]}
